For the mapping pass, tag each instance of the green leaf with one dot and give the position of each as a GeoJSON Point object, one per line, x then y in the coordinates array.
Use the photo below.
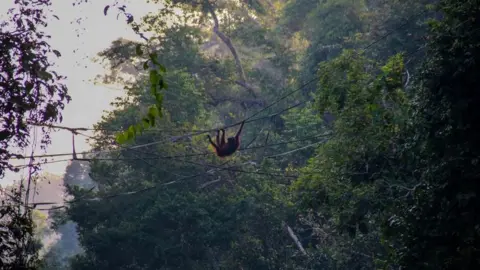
{"type": "Point", "coordinates": [132, 131]}
{"type": "Point", "coordinates": [139, 127]}
{"type": "Point", "coordinates": [153, 90]}
{"type": "Point", "coordinates": [159, 99]}
{"type": "Point", "coordinates": [152, 110]}
{"type": "Point", "coordinates": [138, 50]}
{"type": "Point", "coordinates": [161, 83]}
{"type": "Point", "coordinates": [146, 122]}
{"type": "Point", "coordinates": [121, 138]}
{"type": "Point", "coordinates": [152, 114]}
{"type": "Point", "coordinates": [145, 65]}
{"type": "Point", "coordinates": [154, 57]}
{"type": "Point", "coordinates": [162, 68]}
{"type": "Point", "coordinates": [154, 78]}
{"type": "Point", "coordinates": [152, 120]}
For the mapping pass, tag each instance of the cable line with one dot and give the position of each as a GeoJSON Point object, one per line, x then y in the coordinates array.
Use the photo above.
{"type": "Point", "coordinates": [179, 156]}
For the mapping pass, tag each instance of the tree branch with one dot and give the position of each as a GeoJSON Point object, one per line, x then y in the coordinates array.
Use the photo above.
{"type": "Point", "coordinates": [408, 79]}
{"type": "Point", "coordinates": [243, 81]}
{"type": "Point", "coordinates": [294, 238]}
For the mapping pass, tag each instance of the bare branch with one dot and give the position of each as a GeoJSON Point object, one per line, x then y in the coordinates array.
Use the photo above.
{"type": "Point", "coordinates": [294, 238]}
{"type": "Point", "coordinates": [245, 85]}
{"type": "Point", "coordinates": [209, 183]}
{"type": "Point", "coordinates": [228, 42]}
{"type": "Point", "coordinates": [408, 79]}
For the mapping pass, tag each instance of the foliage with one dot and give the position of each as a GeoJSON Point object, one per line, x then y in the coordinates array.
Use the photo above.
{"type": "Point", "coordinates": [347, 182]}
{"type": "Point", "coordinates": [31, 94]}
{"type": "Point", "coordinates": [18, 244]}
{"type": "Point", "coordinates": [171, 228]}
{"type": "Point", "coordinates": [157, 83]}
{"type": "Point", "coordinates": [360, 176]}
{"type": "Point", "coordinates": [437, 227]}
{"type": "Point", "coordinates": [31, 91]}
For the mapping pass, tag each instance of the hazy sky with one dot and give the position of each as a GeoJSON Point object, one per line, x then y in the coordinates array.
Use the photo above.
{"type": "Point", "coordinates": [96, 32]}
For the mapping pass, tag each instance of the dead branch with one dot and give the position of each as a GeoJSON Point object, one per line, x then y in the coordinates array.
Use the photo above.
{"type": "Point", "coordinates": [294, 237]}
{"type": "Point", "coordinates": [246, 86]}
{"type": "Point", "coordinates": [210, 183]}
{"type": "Point", "coordinates": [243, 81]}
{"type": "Point", "coordinates": [408, 79]}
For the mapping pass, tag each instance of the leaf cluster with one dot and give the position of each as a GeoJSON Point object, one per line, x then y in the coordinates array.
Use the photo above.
{"type": "Point", "coordinates": [31, 92]}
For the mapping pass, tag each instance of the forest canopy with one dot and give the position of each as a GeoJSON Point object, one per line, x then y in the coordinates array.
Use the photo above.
{"type": "Point", "coordinates": [358, 151]}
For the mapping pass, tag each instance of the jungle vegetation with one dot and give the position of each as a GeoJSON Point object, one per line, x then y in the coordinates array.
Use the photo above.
{"type": "Point", "coordinates": [359, 150]}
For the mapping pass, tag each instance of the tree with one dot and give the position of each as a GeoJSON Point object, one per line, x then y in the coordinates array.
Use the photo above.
{"type": "Point", "coordinates": [18, 243]}
{"type": "Point", "coordinates": [345, 183]}
{"type": "Point", "coordinates": [31, 94]}
{"type": "Point", "coordinates": [437, 228]}
{"type": "Point", "coordinates": [377, 192]}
